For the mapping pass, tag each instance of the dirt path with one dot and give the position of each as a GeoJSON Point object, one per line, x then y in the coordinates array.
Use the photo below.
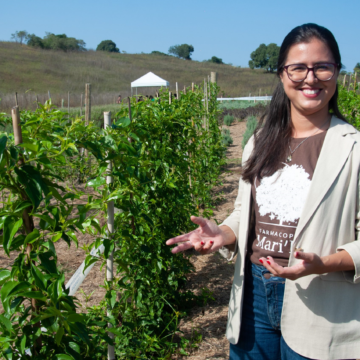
{"type": "Point", "coordinates": [214, 272]}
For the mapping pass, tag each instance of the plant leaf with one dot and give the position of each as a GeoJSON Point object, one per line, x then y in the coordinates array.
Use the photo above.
{"type": "Point", "coordinates": [11, 226]}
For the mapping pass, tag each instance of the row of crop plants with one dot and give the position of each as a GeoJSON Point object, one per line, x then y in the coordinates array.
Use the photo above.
{"type": "Point", "coordinates": [166, 157]}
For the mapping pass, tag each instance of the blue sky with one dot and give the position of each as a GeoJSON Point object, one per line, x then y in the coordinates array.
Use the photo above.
{"type": "Point", "coordinates": [227, 29]}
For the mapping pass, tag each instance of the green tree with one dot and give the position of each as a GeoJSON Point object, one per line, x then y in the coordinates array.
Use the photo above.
{"type": "Point", "coordinates": [35, 41]}
{"type": "Point", "coordinates": [155, 52]}
{"type": "Point", "coordinates": [107, 45]}
{"type": "Point", "coordinates": [20, 36]}
{"type": "Point", "coordinates": [265, 57]}
{"type": "Point", "coordinates": [216, 60]}
{"type": "Point", "coordinates": [182, 51]}
{"type": "Point", "coordinates": [62, 42]}
{"type": "Point", "coordinates": [357, 67]}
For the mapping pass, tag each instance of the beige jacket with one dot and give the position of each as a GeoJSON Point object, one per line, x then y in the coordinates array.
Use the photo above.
{"type": "Point", "coordinates": [321, 313]}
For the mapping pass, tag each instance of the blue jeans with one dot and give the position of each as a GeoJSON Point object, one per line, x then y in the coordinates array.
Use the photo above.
{"type": "Point", "coordinates": [260, 335]}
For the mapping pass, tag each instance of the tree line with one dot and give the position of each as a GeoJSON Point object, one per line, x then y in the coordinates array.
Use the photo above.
{"type": "Point", "coordinates": [264, 57]}
{"type": "Point", "coordinates": [62, 42]}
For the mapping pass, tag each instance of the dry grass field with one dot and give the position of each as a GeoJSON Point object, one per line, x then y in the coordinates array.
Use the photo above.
{"type": "Point", "coordinates": [32, 72]}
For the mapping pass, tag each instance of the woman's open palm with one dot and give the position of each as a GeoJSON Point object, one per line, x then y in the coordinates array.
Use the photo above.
{"type": "Point", "coordinates": [207, 238]}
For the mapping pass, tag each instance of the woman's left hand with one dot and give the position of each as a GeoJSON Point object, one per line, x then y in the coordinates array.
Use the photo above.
{"type": "Point", "coordinates": [310, 264]}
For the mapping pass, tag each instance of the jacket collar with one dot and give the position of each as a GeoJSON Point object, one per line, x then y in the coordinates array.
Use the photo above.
{"type": "Point", "coordinates": [334, 154]}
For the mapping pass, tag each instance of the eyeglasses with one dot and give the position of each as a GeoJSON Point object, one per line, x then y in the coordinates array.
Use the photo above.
{"type": "Point", "coordinates": [299, 72]}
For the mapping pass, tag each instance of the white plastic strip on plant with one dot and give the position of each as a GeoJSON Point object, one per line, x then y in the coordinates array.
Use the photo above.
{"type": "Point", "coordinates": [80, 275]}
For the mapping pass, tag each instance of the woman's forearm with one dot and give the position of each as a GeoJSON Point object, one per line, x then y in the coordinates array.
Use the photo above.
{"type": "Point", "coordinates": [340, 261]}
{"type": "Point", "coordinates": [228, 235]}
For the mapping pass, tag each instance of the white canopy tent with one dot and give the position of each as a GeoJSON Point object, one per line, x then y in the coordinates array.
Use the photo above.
{"type": "Point", "coordinates": [149, 80]}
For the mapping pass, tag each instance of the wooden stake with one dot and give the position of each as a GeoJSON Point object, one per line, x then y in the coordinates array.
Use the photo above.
{"type": "Point", "coordinates": [87, 103]}
{"type": "Point", "coordinates": [213, 75]}
{"type": "Point", "coordinates": [184, 90]}
{"type": "Point", "coordinates": [131, 195]}
{"type": "Point", "coordinates": [170, 96]}
{"type": "Point", "coordinates": [344, 80]}
{"type": "Point", "coordinates": [355, 82]}
{"type": "Point", "coordinates": [81, 104]}
{"type": "Point", "coordinates": [192, 87]}
{"type": "Point", "coordinates": [68, 105]}
{"type": "Point", "coordinates": [205, 103]}
{"type": "Point", "coordinates": [177, 91]}
{"type": "Point", "coordinates": [16, 125]}
{"type": "Point", "coordinates": [110, 224]}
{"type": "Point", "coordinates": [129, 103]}
{"type": "Point", "coordinates": [16, 99]}
{"type": "Point", "coordinates": [27, 219]}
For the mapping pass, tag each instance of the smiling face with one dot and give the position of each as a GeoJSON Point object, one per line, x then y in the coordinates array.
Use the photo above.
{"type": "Point", "coordinates": [311, 96]}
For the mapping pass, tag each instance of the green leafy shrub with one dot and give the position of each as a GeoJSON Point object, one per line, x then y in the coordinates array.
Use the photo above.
{"type": "Point", "coordinates": [349, 105]}
{"type": "Point", "coordinates": [152, 158]}
{"type": "Point", "coordinates": [228, 120]}
{"type": "Point", "coordinates": [242, 110]}
{"type": "Point", "coordinates": [251, 124]}
{"type": "Point", "coordinates": [226, 138]}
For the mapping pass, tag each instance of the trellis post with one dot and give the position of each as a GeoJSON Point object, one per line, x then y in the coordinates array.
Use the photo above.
{"type": "Point", "coordinates": [213, 76]}
{"type": "Point", "coordinates": [87, 103]}
{"type": "Point", "coordinates": [110, 224]}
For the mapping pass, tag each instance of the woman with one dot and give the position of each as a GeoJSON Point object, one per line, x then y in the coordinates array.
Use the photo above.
{"type": "Point", "coordinates": [296, 218]}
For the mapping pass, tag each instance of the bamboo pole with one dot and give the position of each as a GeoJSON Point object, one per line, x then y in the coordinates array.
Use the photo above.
{"type": "Point", "coordinates": [349, 82]}
{"type": "Point", "coordinates": [184, 90]}
{"type": "Point", "coordinates": [110, 224]}
{"type": "Point", "coordinates": [344, 80]}
{"type": "Point", "coordinates": [177, 91]}
{"type": "Point", "coordinates": [68, 105]}
{"type": "Point", "coordinates": [170, 96]}
{"type": "Point", "coordinates": [16, 99]}
{"type": "Point", "coordinates": [192, 87]}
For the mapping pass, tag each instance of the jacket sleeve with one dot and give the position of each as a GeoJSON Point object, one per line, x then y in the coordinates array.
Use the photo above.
{"type": "Point", "coordinates": [353, 248]}
{"type": "Point", "coordinates": [233, 221]}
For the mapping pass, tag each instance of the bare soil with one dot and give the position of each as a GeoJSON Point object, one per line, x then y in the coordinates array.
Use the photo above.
{"type": "Point", "coordinates": [211, 271]}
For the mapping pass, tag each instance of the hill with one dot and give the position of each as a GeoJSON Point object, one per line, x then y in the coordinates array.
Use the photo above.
{"type": "Point", "coordinates": [36, 71]}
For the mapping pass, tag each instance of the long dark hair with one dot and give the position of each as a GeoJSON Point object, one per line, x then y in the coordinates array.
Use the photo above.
{"type": "Point", "coordinates": [271, 143]}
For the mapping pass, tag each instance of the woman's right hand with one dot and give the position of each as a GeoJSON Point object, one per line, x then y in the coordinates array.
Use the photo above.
{"type": "Point", "coordinates": [207, 238]}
